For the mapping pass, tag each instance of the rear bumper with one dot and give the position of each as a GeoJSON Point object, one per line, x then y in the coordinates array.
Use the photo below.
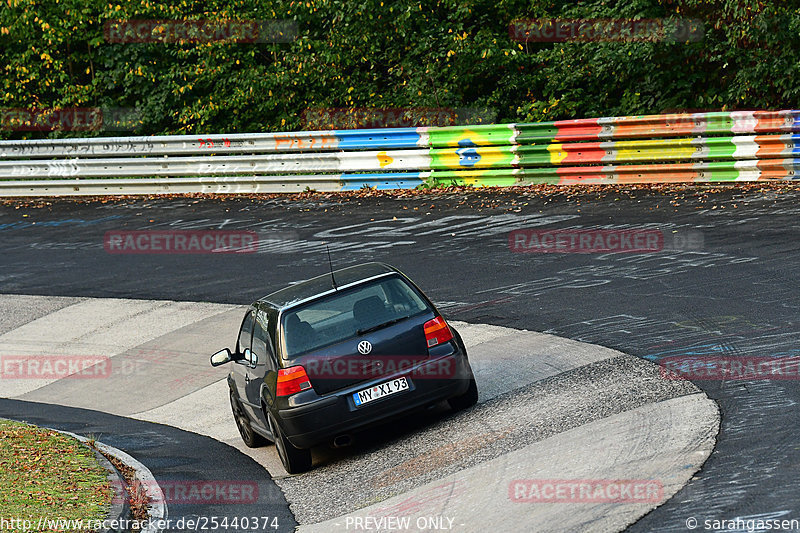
{"type": "Point", "coordinates": [321, 418]}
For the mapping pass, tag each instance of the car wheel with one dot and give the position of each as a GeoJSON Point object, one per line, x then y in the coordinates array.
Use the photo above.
{"type": "Point", "coordinates": [294, 459]}
{"type": "Point", "coordinates": [468, 399]}
{"type": "Point", "coordinates": [250, 437]}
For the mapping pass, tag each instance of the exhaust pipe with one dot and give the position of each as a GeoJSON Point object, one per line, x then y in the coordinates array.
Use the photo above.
{"type": "Point", "coordinates": [342, 441]}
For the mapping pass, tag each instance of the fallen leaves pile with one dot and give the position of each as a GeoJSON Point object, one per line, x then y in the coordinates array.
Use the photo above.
{"type": "Point", "coordinates": [677, 192]}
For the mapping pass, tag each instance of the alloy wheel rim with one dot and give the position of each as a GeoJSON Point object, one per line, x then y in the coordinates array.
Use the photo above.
{"type": "Point", "coordinates": [278, 441]}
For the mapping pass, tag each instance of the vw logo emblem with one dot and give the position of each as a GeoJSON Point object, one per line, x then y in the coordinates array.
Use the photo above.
{"type": "Point", "coordinates": [364, 347]}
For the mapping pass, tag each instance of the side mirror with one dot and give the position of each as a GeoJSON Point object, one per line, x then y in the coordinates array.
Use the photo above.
{"type": "Point", "coordinates": [221, 357]}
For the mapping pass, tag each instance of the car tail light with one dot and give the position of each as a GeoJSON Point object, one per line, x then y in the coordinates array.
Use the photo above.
{"type": "Point", "coordinates": [292, 380]}
{"type": "Point", "coordinates": [437, 331]}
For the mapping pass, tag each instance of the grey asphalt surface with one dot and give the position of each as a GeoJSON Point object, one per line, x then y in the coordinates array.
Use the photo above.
{"type": "Point", "coordinates": [390, 464]}
{"type": "Point", "coordinates": [18, 310]}
{"type": "Point", "coordinates": [573, 409]}
{"type": "Point", "coordinates": [734, 295]}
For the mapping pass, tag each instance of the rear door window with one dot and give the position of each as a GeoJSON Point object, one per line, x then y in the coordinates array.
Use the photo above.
{"type": "Point", "coordinates": [261, 342]}
{"type": "Point", "coordinates": [349, 313]}
{"type": "Point", "coordinates": [245, 333]}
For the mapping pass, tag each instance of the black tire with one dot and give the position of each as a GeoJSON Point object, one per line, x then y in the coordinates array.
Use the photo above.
{"type": "Point", "coordinates": [250, 437]}
{"type": "Point", "coordinates": [294, 459]}
{"type": "Point", "coordinates": [466, 400]}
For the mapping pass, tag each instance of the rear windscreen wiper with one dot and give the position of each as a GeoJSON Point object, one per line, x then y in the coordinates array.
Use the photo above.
{"type": "Point", "coordinates": [379, 326]}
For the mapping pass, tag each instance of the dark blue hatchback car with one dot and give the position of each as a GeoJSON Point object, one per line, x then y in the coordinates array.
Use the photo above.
{"type": "Point", "coordinates": [325, 357]}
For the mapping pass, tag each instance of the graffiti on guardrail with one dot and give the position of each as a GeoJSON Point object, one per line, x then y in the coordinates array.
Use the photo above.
{"type": "Point", "coordinates": [305, 142]}
{"type": "Point", "coordinates": [210, 143]}
{"type": "Point", "coordinates": [686, 148]}
{"type": "Point", "coordinates": [63, 168]}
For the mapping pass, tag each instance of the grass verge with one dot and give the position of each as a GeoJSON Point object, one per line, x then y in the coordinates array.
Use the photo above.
{"type": "Point", "coordinates": [45, 474]}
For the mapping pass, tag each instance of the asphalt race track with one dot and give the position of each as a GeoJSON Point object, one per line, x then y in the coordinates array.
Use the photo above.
{"type": "Point", "coordinates": [548, 408]}
{"type": "Point", "coordinates": [725, 285]}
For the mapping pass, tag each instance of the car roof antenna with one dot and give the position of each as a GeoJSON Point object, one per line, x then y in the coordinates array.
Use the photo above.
{"type": "Point", "coordinates": [330, 264]}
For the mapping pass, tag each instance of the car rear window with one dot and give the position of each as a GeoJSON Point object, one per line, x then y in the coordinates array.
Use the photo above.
{"type": "Point", "coordinates": [349, 313]}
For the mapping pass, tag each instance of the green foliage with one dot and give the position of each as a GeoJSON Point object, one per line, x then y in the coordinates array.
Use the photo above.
{"type": "Point", "coordinates": [392, 54]}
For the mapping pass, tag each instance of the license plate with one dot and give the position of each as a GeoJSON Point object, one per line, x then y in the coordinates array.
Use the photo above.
{"type": "Point", "coordinates": [380, 391]}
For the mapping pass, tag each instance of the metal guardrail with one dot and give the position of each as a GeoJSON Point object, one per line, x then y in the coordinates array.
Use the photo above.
{"type": "Point", "coordinates": [702, 147]}
{"type": "Point", "coordinates": [657, 126]}
{"type": "Point", "coordinates": [247, 143]}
